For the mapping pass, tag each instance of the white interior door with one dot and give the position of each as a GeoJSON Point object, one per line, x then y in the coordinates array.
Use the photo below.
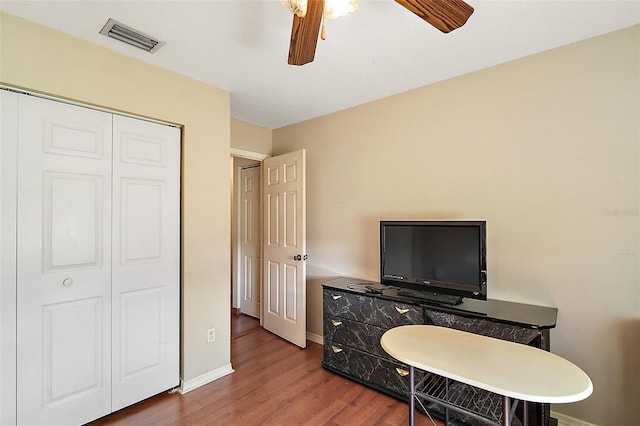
{"type": "Point", "coordinates": [285, 311]}
{"type": "Point", "coordinates": [146, 259]}
{"type": "Point", "coordinates": [250, 241]}
{"type": "Point", "coordinates": [63, 263]}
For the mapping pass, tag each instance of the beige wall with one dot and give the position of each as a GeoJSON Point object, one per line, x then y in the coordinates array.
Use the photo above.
{"type": "Point", "coordinates": [40, 59]}
{"type": "Point", "coordinates": [546, 150]}
{"type": "Point", "coordinates": [249, 137]}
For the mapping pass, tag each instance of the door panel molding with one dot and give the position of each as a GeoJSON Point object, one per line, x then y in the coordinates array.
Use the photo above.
{"type": "Point", "coordinates": [85, 362]}
{"type": "Point", "coordinates": [73, 205]}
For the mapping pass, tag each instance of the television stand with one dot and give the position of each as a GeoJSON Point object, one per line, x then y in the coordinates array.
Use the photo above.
{"type": "Point", "coordinates": [355, 318]}
{"type": "Point", "coordinates": [437, 298]}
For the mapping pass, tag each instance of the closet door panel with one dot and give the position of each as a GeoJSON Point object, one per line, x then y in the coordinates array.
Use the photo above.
{"type": "Point", "coordinates": [75, 324]}
{"type": "Point", "coordinates": [73, 207]}
{"type": "Point", "coordinates": [63, 263]}
{"type": "Point", "coordinates": [146, 259]}
{"type": "Point", "coordinates": [8, 196]}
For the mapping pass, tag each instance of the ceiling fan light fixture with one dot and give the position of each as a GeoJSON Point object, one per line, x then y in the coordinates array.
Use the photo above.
{"type": "Point", "coordinates": [336, 8]}
{"type": "Point", "coordinates": [332, 8]}
{"type": "Point", "coordinates": [299, 7]}
{"type": "Point", "coordinates": [445, 15]}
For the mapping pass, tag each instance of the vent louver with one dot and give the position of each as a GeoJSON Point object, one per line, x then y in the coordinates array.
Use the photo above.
{"type": "Point", "coordinates": [133, 37]}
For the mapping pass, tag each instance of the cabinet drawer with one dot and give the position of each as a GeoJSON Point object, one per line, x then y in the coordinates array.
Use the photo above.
{"type": "Point", "coordinates": [354, 334]}
{"type": "Point", "coordinates": [510, 332]}
{"type": "Point", "coordinates": [368, 368]}
{"type": "Point", "coordinates": [347, 305]}
{"type": "Point", "coordinates": [389, 314]}
{"type": "Point", "coordinates": [370, 310]}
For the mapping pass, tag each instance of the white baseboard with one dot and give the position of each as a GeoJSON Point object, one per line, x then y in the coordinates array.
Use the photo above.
{"type": "Point", "coordinates": [564, 420]}
{"type": "Point", "coordinates": [189, 385]}
{"type": "Point", "coordinates": [316, 338]}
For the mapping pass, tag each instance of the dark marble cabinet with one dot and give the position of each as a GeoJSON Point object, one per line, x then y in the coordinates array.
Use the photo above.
{"type": "Point", "coordinates": [352, 327]}
{"type": "Point", "coordinates": [354, 319]}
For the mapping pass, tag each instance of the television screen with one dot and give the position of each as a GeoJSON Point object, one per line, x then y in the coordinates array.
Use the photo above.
{"type": "Point", "coordinates": [434, 256]}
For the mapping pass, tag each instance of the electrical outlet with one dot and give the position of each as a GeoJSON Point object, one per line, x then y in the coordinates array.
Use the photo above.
{"type": "Point", "coordinates": [211, 335]}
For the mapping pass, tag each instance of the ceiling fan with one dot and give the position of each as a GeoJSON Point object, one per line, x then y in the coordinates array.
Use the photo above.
{"type": "Point", "coordinates": [445, 15]}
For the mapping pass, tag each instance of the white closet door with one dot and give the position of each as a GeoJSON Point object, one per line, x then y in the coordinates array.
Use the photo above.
{"type": "Point", "coordinates": [63, 263]}
{"type": "Point", "coordinates": [8, 196]}
{"type": "Point", "coordinates": [146, 259]}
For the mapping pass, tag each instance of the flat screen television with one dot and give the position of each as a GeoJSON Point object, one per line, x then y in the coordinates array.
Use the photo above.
{"type": "Point", "coordinates": [441, 261]}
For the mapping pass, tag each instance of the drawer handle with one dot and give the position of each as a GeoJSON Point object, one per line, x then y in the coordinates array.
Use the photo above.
{"type": "Point", "coordinates": [335, 296]}
{"type": "Point", "coordinates": [336, 323]}
{"type": "Point", "coordinates": [402, 310]}
{"type": "Point", "coordinates": [402, 372]}
{"type": "Point", "coordinates": [336, 349]}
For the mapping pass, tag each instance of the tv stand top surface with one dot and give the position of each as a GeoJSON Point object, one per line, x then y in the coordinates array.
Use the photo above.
{"type": "Point", "coordinates": [533, 316]}
{"type": "Point", "coordinates": [436, 298]}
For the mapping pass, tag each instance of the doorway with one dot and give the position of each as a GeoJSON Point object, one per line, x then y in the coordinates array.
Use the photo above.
{"type": "Point", "coordinates": [246, 233]}
{"type": "Point", "coordinates": [269, 277]}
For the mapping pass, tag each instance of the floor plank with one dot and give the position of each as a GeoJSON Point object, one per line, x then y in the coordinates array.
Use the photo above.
{"type": "Point", "coordinates": [243, 324]}
{"type": "Point", "coordinates": [275, 383]}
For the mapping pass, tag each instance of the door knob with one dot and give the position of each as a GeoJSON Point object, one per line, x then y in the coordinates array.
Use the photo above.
{"type": "Point", "coordinates": [67, 282]}
{"type": "Point", "coordinates": [297, 257]}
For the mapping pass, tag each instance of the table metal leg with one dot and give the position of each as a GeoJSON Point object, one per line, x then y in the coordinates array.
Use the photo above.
{"type": "Point", "coordinates": [506, 411]}
{"type": "Point", "coordinates": [446, 407]}
{"type": "Point", "coordinates": [412, 397]}
{"type": "Point", "coordinates": [525, 413]}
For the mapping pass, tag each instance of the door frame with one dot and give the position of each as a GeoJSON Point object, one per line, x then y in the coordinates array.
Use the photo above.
{"type": "Point", "coordinates": [235, 226]}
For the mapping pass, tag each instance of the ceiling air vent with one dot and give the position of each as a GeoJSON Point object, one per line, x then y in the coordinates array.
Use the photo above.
{"type": "Point", "coordinates": [133, 37]}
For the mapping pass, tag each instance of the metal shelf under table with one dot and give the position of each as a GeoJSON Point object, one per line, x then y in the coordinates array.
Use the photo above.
{"type": "Point", "coordinates": [479, 404]}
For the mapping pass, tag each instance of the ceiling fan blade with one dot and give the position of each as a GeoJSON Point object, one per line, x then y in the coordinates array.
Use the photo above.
{"type": "Point", "coordinates": [445, 15]}
{"type": "Point", "coordinates": [304, 34]}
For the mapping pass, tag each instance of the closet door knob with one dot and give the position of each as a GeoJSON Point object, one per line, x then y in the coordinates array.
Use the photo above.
{"type": "Point", "coordinates": [67, 282]}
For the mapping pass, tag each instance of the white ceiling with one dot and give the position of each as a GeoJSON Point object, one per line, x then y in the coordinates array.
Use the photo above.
{"type": "Point", "coordinates": [382, 49]}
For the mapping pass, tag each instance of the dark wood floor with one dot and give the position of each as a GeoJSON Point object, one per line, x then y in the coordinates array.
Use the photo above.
{"type": "Point", "coordinates": [275, 383]}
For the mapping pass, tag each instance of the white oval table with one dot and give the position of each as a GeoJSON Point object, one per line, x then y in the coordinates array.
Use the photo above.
{"type": "Point", "coordinates": [512, 370]}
